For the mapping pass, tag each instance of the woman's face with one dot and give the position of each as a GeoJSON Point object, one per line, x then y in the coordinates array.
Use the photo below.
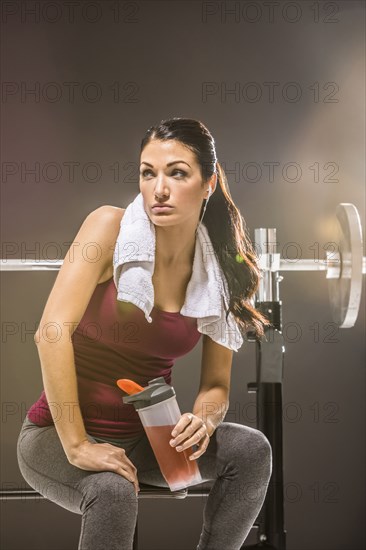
{"type": "Point", "coordinates": [170, 174]}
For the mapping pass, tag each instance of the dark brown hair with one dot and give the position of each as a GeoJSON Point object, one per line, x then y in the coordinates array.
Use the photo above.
{"type": "Point", "coordinates": [225, 225]}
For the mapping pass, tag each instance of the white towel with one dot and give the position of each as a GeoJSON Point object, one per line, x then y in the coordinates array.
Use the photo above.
{"type": "Point", "coordinates": [207, 293]}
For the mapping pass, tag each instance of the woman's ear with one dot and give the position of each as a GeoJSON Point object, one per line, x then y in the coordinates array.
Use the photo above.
{"type": "Point", "coordinates": [213, 183]}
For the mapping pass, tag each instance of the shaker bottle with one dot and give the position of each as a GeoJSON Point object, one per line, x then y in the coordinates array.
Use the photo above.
{"type": "Point", "coordinates": [159, 412]}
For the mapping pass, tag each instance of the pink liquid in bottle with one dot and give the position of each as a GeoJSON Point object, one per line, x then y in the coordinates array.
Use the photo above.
{"type": "Point", "coordinates": [175, 466]}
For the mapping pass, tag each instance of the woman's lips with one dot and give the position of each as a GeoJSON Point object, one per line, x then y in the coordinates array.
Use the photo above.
{"type": "Point", "coordinates": [161, 208]}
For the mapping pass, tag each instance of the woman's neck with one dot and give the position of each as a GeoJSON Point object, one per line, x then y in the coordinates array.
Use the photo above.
{"type": "Point", "coordinates": [175, 246]}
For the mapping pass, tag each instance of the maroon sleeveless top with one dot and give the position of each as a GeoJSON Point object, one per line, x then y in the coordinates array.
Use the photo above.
{"type": "Point", "coordinates": [114, 340]}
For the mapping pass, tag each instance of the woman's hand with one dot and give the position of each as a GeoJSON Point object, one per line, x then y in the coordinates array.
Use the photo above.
{"type": "Point", "coordinates": [194, 428]}
{"type": "Point", "coordinates": [100, 457]}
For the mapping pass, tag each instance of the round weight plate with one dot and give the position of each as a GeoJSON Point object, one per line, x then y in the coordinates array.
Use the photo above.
{"type": "Point", "coordinates": [345, 282]}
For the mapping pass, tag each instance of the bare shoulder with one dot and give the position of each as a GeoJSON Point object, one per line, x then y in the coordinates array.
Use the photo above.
{"type": "Point", "coordinates": [80, 271]}
{"type": "Point", "coordinates": [107, 209]}
{"type": "Point", "coordinates": [109, 217]}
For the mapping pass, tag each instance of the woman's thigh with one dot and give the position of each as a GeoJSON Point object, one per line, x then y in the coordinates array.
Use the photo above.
{"type": "Point", "coordinates": [45, 467]}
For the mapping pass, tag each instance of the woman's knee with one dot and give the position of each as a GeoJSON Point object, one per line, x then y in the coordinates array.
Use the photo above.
{"type": "Point", "coordinates": [245, 441]}
{"type": "Point", "coordinates": [263, 452]}
{"type": "Point", "coordinates": [261, 444]}
{"type": "Point", "coordinates": [108, 489]}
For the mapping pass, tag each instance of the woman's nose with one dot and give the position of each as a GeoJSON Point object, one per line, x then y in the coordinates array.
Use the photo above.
{"type": "Point", "coordinates": [161, 188]}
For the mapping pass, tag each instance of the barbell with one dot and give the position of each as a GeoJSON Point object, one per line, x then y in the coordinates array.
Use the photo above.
{"type": "Point", "coordinates": [344, 266]}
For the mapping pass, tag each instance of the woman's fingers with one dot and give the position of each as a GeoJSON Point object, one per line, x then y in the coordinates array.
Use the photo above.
{"type": "Point", "coordinates": [201, 448]}
{"type": "Point", "coordinates": [196, 433]}
{"type": "Point", "coordinates": [183, 422]}
{"type": "Point", "coordinates": [131, 476]}
{"type": "Point", "coordinates": [187, 425]}
{"type": "Point", "coordinates": [126, 467]}
{"type": "Point", "coordinates": [198, 438]}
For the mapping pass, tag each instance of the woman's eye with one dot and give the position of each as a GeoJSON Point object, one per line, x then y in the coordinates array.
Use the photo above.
{"type": "Point", "coordinates": [143, 173]}
{"type": "Point", "coordinates": [180, 171]}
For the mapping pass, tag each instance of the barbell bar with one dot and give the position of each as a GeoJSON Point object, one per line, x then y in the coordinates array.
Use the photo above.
{"type": "Point", "coordinates": [344, 267]}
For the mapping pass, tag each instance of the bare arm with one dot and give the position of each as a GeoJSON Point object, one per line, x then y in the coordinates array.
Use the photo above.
{"type": "Point", "coordinates": [70, 295]}
{"type": "Point", "coordinates": [67, 302]}
{"type": "Point", "coordinates": [211, 406]}
{"type": "Point", "coordinates": [212, 401]}
{"type": "Point", "coordinates": [60, 385]}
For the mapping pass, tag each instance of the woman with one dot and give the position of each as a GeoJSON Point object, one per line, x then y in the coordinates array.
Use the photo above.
{"type": "Point", "coordinates": [79, 446]}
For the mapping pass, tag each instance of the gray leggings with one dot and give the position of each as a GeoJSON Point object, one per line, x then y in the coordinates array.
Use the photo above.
{"type": "Point", "coordinates": [238, 458]}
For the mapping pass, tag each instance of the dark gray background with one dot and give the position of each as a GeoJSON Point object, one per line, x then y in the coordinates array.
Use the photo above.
{"type": "Point", "coordinates": [162, 53]}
